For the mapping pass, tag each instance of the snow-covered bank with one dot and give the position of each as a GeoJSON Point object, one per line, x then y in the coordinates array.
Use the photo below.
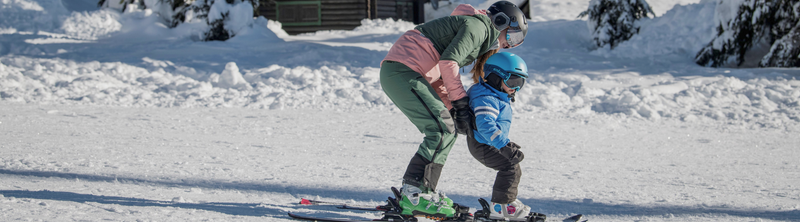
{"type": "Point", "coordinates": [59, 81]}
{"type": "Point", "coordinates": [651, 76]}
{"type": "Point", "coordinates": [758, 101]}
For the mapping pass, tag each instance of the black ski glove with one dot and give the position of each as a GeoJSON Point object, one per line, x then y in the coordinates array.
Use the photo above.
{"type": "Point", "coordinates": [464, 117]}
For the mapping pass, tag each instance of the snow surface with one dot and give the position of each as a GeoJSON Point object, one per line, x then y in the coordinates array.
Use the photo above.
{"type": "Point", "coordinates": [109, 116]}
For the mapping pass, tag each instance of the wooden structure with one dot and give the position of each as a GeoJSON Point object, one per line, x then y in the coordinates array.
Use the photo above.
{"type": "Point", "coordinates": [299, 16]}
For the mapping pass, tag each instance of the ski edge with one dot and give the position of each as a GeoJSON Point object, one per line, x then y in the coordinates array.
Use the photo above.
{"type": "Point", "coordinates": [348, 207]}
{"type": "Point", "coordinates": [339, 205]}
{"type": "Point", "coordinates": [575, 218]}
{"type": "Point", "coordinates": [324, 219]}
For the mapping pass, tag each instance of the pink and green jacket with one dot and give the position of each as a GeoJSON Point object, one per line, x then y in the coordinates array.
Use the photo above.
{"type": "Point", "coordinates": [438, 48]}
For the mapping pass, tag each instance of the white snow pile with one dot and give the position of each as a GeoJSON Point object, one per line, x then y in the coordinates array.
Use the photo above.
{"type": "Point", "coordinates": [91, 25]}
{"type": "Point", "coordinates": [61, 81]}
{"type": "Point", "coordinates": [369, 26]}
{"type": "Point", "coordinates": [30, 15]}
{"type": "Point", "coordinates": [759, 101]}
{"type": "Point", "coordinates": [651, 76]}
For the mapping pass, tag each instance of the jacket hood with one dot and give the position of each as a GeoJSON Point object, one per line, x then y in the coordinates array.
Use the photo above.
{"type": "Point", "coordinates": [466, 9]}
{"type": "Point", "coordinates": [483, 89]}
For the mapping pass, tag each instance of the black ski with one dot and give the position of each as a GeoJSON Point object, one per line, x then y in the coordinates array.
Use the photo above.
{"type": "Point", "coordinates": [575, 218]}
{"type": "Point", "coordinates": [483, 215]}
{"type": "Point", "coordinates": [343, 205]}
{"type": "Point", "coordinates": [535, 217]}
{"type": "Point", "coordinates": [348, 207]}
{"type": "Point", "coordinates": [312, 218]}
{"type": "Point", "coordinates": [392, 210]}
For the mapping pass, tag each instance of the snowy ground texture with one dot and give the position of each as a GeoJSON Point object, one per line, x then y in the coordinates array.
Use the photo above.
{"type": "Point", "coordinates": [109, 116]}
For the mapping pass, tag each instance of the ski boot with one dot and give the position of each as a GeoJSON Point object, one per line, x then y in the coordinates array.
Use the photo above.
{"type": "Point", "coordinates": [431, 205]}
{"type": "Point", "coordinates": [514, 211]}
{"type": "Point", "coordinates": [443, 198]}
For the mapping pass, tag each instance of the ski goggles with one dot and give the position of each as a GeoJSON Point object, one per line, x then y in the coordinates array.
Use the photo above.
{"type": "Point", "coordinates": [514, 34]}
{"type": "Point", "coordinates": [513, 80]}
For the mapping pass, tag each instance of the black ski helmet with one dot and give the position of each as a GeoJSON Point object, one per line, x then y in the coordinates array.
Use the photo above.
{"type": "Point", "coordinates": [506, 15]}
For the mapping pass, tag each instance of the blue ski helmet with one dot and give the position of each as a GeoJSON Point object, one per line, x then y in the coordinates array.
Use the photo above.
{"type": "Point", "coordinates": [506, 68]}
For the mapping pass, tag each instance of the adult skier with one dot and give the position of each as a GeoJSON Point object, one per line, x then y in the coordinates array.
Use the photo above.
{"type": "Point", "coordinates": [420, 75]}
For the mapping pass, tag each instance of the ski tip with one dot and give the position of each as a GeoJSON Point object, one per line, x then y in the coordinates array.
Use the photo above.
{"type": "Point", "coordinates": [305, 201]}
{"type": "Point", "coordinates": [575, 218]}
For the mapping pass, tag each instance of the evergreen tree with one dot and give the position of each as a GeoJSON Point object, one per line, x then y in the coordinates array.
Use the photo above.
{"type": "Point", "coordinates": [122, 5]}
{"type": "Point", "coordinates": [786, 35]}
{"type": "Point", "coordinates": [217, 15]}
{"type": "Point", "coordinates": [222, 25]}
{"type": "Point", "coordinates": [785, 52]}
{"type": "Point", "coordinates": [614, 21]}
{"type": "Point", "coordinates": [754, 22]}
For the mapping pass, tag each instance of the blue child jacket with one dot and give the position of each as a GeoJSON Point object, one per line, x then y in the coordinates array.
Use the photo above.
{"type": "Point", "coordinates": [492, 114]}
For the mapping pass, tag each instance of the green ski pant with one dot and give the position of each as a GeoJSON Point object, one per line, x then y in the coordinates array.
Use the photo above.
{"type": "Point", "coordinates": [417, 99]}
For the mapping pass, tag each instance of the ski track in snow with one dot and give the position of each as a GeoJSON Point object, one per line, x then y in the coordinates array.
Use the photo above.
{"type": "Point", "coordinates": [109, 116]}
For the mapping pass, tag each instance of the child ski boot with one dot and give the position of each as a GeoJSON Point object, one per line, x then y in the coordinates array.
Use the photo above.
{"type": "Point", "coordinates": [514, 211]}
{"type": "Point", "coordinates": [431, 205]}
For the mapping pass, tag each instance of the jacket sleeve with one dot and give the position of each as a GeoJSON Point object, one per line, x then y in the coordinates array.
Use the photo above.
{"type": "Point", "coordinates": [451, 80]}
{"type": "Point", "coordinates": [486, 109]}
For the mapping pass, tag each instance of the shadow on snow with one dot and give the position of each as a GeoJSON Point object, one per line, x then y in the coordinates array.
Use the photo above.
{"type": "Point", "coordinates": [243, 209]}
{"type": "Point", "coordinates": [258, 209]}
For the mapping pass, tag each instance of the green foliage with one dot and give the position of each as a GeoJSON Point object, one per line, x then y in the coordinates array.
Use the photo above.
{"type": "Point", "coordinates": [613, 21]}
{"type": "Point", "coordinates": [755, 21]}
{"type": "Point", "coordinates": [176, 14]}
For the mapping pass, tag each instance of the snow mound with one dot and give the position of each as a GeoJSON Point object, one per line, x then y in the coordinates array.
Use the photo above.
{"type": "Point", "coordinates": [230, 78]}
{"type": "Point", "coordinates": [91, 25]}
{"type": "Point", "coordinates": [59, 81]}
{"type": "Point", "coordinates": [368, 26]}
{"type": "Point", "coordinates": [758, 102]}
{"type": "Point", "coordinates": [32, 15]}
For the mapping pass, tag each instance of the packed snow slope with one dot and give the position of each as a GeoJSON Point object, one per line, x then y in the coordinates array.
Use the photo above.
{"type": "Point", "coordinates": [113, 116]}
{"type": "Point", "coordinates": [97, 163]}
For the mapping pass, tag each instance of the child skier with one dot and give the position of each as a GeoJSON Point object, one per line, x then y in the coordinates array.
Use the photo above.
{"type": "Point", "coordinates": [503, 75]}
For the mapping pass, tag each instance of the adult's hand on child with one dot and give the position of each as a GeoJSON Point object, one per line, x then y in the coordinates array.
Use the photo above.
{"type": "Point", "coordinates": [464, 118]}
